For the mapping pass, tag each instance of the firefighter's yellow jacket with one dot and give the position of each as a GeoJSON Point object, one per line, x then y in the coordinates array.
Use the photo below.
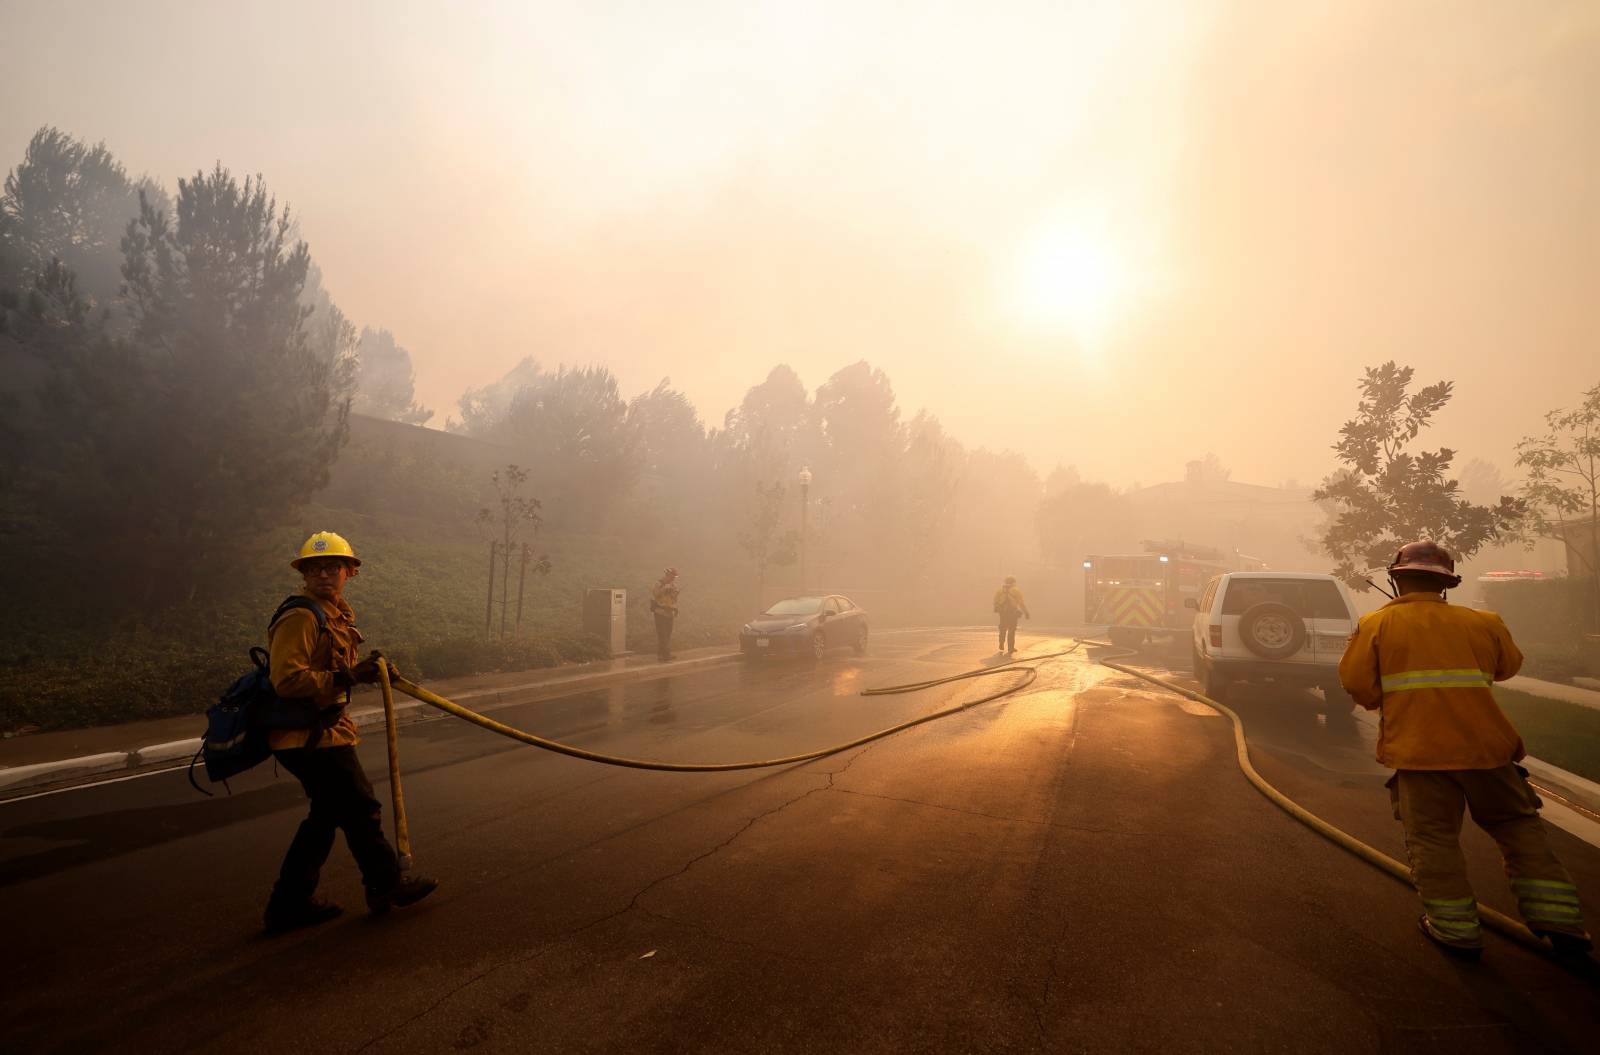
{"type": "Point", "coordinates": [664, 598]}
{"type": "Point", "coordinates": [1429, 665]}
{"type": "Point", "coordinates": [1010, 597]}
{"type": "Point", "coordinates": [302, 665]}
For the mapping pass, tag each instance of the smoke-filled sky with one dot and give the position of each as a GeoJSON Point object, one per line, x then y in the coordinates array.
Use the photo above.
{"type": "Point", "coordinates": [1110, 235]}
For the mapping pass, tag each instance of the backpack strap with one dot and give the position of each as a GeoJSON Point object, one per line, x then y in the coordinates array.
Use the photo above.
{"type": "Point", "coordinates": [192, 762]}
{"type": "Point", "coordinates": [294, 601]}
{"type": "Point", "coordinates": [290, 603]}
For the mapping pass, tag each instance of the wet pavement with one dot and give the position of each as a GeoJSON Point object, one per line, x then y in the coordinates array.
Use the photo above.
{"type": "Point", "coordinates": [1079, 867]}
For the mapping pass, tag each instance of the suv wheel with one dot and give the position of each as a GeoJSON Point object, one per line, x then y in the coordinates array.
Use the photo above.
{"type": "Point", "coordinates": [1272, 630]}
{"type": "Point", "coordinates": [1215, 685]}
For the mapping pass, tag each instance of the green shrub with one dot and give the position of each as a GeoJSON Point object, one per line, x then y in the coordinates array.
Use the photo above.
{"type": "Point", "coordinates": [123, 683]}
{"type": "Point", "coordinates": [71, 656]}
{"type": "Point", "coordinates": [460, 656]}
{"type": "Point", "coordinates": [1561, 662]}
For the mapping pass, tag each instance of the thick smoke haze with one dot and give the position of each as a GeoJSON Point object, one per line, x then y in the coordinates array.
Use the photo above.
{"type": "Point", "coordinates": [1114, 238]}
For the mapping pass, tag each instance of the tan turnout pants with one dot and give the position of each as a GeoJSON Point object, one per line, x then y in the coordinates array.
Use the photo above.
{"type": "Point", "coordinates": [1429, 805]}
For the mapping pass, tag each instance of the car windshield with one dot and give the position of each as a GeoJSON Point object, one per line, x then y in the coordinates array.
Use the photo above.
{"type": "Point", "coordinates": [795, 606]}
{"type": "Point", "coordinates": [1310, 598]}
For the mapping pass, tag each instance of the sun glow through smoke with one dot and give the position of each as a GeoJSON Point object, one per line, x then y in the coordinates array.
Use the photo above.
{"type": "Point", "coordinates": [1070, 280]}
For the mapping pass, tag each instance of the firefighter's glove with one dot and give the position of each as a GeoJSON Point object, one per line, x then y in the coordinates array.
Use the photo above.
{"type": "Point", "coordinates": [365, 672]}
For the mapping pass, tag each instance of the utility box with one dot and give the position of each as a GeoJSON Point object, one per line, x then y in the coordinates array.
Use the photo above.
{"type": "Point", "coordinates": [605, 615]}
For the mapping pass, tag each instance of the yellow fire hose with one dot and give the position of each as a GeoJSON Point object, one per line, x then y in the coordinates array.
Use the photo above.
{"type": "Point", "coordinates": [402, 832]}
{"type": "Point", "coordinates": [1495, 920]}
{"type": "Point", "coordinates": [450, 707]}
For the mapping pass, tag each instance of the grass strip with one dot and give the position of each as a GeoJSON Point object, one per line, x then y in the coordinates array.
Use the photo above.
{"type": "Point", "coordinates": [1560, 733]}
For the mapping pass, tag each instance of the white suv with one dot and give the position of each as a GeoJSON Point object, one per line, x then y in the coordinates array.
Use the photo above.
{"type": "Point", "coordinates": [1284, 627]}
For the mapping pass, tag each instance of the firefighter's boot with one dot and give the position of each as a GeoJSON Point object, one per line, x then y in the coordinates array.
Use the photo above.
{"type": "Point", "coordinates": [407, 891]}
{"type": "Point", "coordinates": [1567, 946]}
{"type": "Point", "coordinates": [1460, 950]}
{"type": "Point", "coordinates": [283, 916]}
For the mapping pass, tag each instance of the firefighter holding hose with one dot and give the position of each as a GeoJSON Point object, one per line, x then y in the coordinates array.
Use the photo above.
{"type": "Point", "coordinates": [1427, 666]}
{"type": "Point", "coordinates": [316, 658]}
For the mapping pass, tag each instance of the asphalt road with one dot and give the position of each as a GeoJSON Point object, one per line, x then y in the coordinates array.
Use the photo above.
{"type": "Point", "coordinates": [1079, 867]}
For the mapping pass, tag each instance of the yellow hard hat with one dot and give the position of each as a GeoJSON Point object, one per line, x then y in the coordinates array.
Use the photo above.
{"type": "Point", "coordinates": [326, 544]}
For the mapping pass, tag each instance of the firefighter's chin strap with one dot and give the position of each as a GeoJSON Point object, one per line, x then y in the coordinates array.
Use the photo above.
{"type": "Point", "coordinates": [1498, 921]}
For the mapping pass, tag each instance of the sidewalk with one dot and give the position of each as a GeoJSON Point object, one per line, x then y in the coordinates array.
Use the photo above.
{"type": "Point", "coordinates": [1554, 690]}
{"type": "Point", "coordinates": [1577, 791]}
{"type": "Point", "coordinates": [46, 758]}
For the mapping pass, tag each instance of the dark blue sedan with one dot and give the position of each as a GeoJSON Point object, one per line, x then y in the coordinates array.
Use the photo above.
{"type": "Point", "coordinates": [806, 626]}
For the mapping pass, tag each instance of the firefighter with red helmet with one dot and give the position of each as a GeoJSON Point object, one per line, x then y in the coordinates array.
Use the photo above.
{"type": "Point", "coordinates": [664, 607]}
{"type": "Point", "coordinates": [1427, 666]}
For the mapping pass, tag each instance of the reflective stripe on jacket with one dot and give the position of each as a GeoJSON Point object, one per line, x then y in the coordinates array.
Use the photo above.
{"type": "Point", "coordinates": [302, 666]}
{"type": "Point", "coordinates": [664, 598]}
{"type": "Point", "coordinates": [1428, 665]}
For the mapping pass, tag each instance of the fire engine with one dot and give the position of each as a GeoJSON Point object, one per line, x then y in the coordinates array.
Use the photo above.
{"type": "Point", "coordinates": [1140, 596]}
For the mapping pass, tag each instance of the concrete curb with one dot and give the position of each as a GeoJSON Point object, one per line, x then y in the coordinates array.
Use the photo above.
{"type": "Point", "coordinates": [46, 772]}
{"type": "Point", "coordinates": [1585, 793]}
{"type": "Point", "coordinates": [406, 711]}
{"type": "Point", "coordinates": [1553, 690]}
{"type": "Point", "coordinates": [1580, 790]}
{"type": "Point", "coordinates": [172, 751]}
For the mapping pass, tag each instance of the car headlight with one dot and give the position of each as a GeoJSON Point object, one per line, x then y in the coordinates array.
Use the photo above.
{"type": "Point", "coordinates": [801, 626]}
{"type": "Point", "coordinates": [746, 629]}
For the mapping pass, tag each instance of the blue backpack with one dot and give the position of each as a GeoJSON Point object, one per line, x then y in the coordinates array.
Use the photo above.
{"type": "Point", "coordinates": [237, 724]}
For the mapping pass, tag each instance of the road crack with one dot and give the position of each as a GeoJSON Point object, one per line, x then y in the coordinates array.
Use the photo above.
{"type": "Point", "coordinates": [752, 822]}
{"type": "Point", "coordinates": [1002, 817]}
{"type": "Point", "coordinates": [632, 905]}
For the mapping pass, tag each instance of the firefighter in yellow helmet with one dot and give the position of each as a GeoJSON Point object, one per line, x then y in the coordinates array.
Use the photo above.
{"type": "Point", "coordinates": [316, 659]}
{"type": "Point", "coordinates": [1010, 606]}
{"type": "Point", "coordinates": [1428, 666]}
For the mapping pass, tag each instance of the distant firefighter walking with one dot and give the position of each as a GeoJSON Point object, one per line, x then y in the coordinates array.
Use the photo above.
{"type": "Point", "coordinates": [664, 606]}
{"type": "Point", "coordinates": [1010, 606]}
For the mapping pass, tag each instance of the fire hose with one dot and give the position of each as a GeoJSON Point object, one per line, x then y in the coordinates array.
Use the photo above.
{"type": "Point", "coordinates": [387, 684]}
{"type": "Point", "coordinates": [1495, 920]}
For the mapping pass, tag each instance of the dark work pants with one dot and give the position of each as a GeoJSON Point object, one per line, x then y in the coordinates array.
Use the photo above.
{"type": "Point", "coordinates": [664, 634]}
{"type": "Point", "coordinates": [1430, 803]}
{"type": "Point", "coordinates": [341, 799]}
{"type": "Point", "coordinates": [1008, 634]}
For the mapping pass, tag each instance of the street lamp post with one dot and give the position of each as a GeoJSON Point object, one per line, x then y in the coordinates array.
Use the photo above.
{"type": "Point", "coordinates": [805, 492]}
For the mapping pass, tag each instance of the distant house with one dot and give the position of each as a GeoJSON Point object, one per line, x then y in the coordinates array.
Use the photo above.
{"type": "Point", "coordinates": [385, 461]}
{"type": "Point", "coordinates": [465, 451]}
